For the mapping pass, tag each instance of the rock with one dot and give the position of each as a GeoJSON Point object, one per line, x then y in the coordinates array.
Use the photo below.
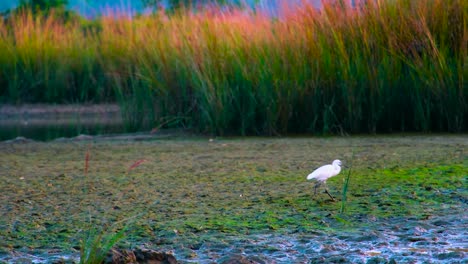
{"type": "Point", "coordinates": [140, 255]}
{"type": "Point", "coordinates": [120, 256]}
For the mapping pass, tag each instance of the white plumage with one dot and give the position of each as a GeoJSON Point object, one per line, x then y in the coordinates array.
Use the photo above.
{"type": "Point", "coordinates": [322, 174]}
{"type": "Point", "coordinates": [326, 171]}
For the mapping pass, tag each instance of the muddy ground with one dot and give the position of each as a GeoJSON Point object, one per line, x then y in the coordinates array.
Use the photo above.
{"type": "Point", "coordinates": [209, 200]}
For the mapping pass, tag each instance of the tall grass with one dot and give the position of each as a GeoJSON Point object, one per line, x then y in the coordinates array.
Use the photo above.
{"type": "Point", "coordinates": [380, 66]}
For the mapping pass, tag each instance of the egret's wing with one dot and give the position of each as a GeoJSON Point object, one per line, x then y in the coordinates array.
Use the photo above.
{"type": "Point", "coordinates": [321, 173]}
{"type": "Point", "coordinates": [310, 176]}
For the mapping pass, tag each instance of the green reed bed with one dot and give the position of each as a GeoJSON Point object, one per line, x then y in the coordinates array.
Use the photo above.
{"type": "Point", "coordinates": [44, 60]}
{"type": "Point", "coordinates": [380, 67]}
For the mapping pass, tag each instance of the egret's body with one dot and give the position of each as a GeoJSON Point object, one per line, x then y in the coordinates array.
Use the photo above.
{"type": "Point", "coordinates": [322, 174]}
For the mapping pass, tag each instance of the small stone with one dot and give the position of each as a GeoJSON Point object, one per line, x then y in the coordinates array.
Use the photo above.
{"type": "Point", "coordinates": [120, 256]}
{"type": "Point", "coordinates": [124, 256]}
{"type": "Point", "coordinates": [151, 256]}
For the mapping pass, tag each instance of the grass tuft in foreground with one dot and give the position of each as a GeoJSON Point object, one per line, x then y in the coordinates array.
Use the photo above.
{"type": "Point", "coordinates": [97, 245]}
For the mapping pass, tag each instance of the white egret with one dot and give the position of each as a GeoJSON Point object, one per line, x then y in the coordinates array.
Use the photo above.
{"type": "Point", "coordinates": [322, 174]}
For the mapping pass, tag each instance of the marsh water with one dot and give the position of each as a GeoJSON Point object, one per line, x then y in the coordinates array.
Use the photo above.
{"type": "Point", "coordinates": [436, 240]}
{"type": "Point", "coordinates": [49, 122]}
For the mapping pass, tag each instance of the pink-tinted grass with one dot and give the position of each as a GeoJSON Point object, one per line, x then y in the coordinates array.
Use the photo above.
{"type": "Point", "coordinates": [136, 164]}
{"type": "Point", "coordinates": [378, 66]}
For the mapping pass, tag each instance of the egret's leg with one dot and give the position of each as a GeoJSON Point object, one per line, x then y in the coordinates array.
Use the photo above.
{"type": "Point", "coordinates": [326, 190]}
{"type": "Point", "coordinates": [316, 187]}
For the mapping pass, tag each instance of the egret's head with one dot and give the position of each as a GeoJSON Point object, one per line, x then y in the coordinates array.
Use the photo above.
{"type": "Point", "coordinates": [337, 163]}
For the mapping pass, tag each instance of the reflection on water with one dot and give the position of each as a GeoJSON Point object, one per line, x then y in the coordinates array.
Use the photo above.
{"type": "Point", "coordinates": [41, 122]}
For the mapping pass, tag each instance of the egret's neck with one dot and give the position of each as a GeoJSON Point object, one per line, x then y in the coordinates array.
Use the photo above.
{"type": "Point", "coordinates": [337, 168]}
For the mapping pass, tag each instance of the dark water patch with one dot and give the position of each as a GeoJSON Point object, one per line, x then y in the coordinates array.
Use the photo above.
{"type": "Point", "coordinates": [47, 132]}
{"type": "Point", "coordinates": [48, 122]}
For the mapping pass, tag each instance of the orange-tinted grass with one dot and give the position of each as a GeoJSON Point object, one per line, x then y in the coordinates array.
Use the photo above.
{"type": "Point", "coordinates": [379, 66]}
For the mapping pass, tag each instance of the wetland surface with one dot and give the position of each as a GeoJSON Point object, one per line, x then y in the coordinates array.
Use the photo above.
{"type": "Point", "coordinates": [214, 200]}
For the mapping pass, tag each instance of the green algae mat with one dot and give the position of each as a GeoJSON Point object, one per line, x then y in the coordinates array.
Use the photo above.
{"type": "Point", "coordinates": [201, 197]}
